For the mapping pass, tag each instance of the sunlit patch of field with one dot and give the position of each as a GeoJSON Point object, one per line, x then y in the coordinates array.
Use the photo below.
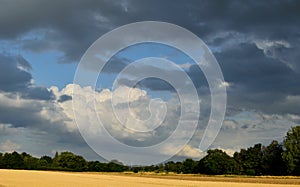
{"type": "Point", "coordinates": [51, 178]}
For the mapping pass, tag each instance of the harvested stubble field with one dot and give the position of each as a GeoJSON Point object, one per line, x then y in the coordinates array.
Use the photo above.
{"type": "Point", "coordinates": [51, 178]}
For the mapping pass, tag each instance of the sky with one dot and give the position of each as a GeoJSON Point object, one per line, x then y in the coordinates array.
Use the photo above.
{"type": "Point", "coordinates": [256, 44]}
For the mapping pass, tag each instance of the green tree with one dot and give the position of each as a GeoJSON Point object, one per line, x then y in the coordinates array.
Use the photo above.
{"type": "Point", "coordinates": [29, 161]}
{"type": "Point", "coordinates": [272, 162]}
{"type": "Point", "coordinates": [250, 160]}
{"type": "Point", "coordinates": [97, 166]}
{"type": "Point", "coordinates": [70, 161]}
{"type": "Point", "coordinates": [13, 161]}
{"type": "Point", "coordinates": [189, 166]}
{"type": "Point", "coordinates": [1, 160]}
{"type": "Point", "coordinates": [45, 162]}
{"type": "Point", "coordinates": [179, 167]}
{"type": "Point", "coordinates": [217, 162]}
{"type": "Point", "coordinates": [116, 166]}
{"type": "Point", "coordinates": [291, 155]}
{"type": "Point", "coordinates": [149, 168]}
{"type": "Point", "coordinates": [172, 167]}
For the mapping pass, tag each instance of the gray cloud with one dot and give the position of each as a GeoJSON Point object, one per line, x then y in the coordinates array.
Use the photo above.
{"type": "Point", "coordinates": [68, 26]}
{"type": "Point", "coordinates": [15, 78]}
{"type": "Point", "coordinates": [43, 121]}
{"type": "Point", "coordinates": [64, 98]}
{"type": "Point", "coordinates": [259, 82]}
{"type": "Point", "coordinates": [83, 22]}
{"type": "Point", "coordinates": [37, 92]}
{"type": "Point", "coordinates": [114, 65]}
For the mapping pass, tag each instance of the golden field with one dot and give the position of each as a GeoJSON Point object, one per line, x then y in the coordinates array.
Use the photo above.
{"type": "Point", "coordinates": [52, 178]}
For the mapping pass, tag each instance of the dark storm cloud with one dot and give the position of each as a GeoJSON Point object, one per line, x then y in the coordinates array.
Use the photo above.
{"type": "Point", "coordinates": [149, 83]}
{"type": "Point", "coordinates": [289, 55]}
{"type": "Point", "coordinates": [27, 116]}
{"type": "Point", "coordinates": [134, 73]}
{"type": "Point", "coordinates": [71, 26]}
{"type": "Point", "coordinates": [67, 26]}
{"type": "Point", "coordinates": [64, 98]}
{"type": "Point", "coordinates": [18, 17]}
{"type": "Point", "coordinates": [21, 114]}
{"type": "Point", "coordinates": [247, 65]}
{"type": "Point", "coordinates": [115, 65]}
{"type": "Point", "coordinates": [37, 92]}
{"type": "Point", "coordinates": [258, 82]}
{"type": "Point", "coordinates": [12, 77]}
{"type": "Point", "coordinates": [15, 78]}
{"type": "Point", "coordinates": [195, 74]}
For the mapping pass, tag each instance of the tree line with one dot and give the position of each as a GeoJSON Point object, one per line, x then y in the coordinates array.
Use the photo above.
{"type": "Point", "coordinates": [274, 159]}
{"type": "Point", "coordinates": [65, 161]}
